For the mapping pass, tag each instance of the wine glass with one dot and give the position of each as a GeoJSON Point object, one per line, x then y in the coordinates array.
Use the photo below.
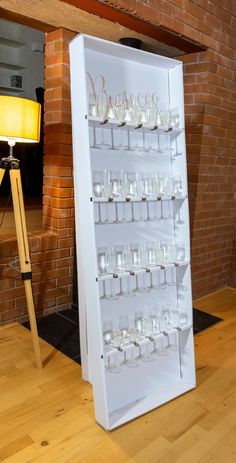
{"type": "Point", "coordinates": [177, 186]}
{"type": "Point", "coordinates": [134, 338]}
{"type": "Point", "coordinates": [102, 260]}
{"type": "Point", "coordinates": [111, 266]}
{"type": "Point", "coordinates": [98, 184]}
{"type": "Point", "coordinates": [165, 116]}
{"type": "Point", "coordinates": [119, 110]}
{"type": "Point", "coordinates": [180, 252]}
{"type": "Point", "coordinates": [102, 106]}
{"type": "Point", "coordinates": [174, 116]}
{"type": "Point", "coordinates": [117, 339]}
{"type": "Point", "coordinates": [147, 329]}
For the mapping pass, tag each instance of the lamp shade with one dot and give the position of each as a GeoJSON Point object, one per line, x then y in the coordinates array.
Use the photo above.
{"type": "Point", "coordinates": [19, 119]}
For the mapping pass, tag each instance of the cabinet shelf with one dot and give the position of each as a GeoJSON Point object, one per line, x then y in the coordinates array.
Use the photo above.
{"type": "Point", "coordinates": [12, 89]}
{"type": "Point", "coordinates": [11, 66]}
{"type": "Point", "coordinates": [114, 124]}
{"type": "Point", "coordinates": [139, 200]}
{"type": "Point", "coordinates": [142, 271]}
{"type": "Point", "coordinates": [11, 43]}
{"type": "Point", "coordinates": [110, 351]}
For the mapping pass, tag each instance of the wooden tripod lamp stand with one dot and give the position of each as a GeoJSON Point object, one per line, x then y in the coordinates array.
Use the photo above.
{"type": "Point", "coordinates": [20, 122]}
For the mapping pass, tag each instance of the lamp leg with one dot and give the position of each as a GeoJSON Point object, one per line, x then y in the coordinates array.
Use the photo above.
{"type": "Point", "coordinates": [23, 249]}
{"type": "Point", "coordinates": [2, 172]}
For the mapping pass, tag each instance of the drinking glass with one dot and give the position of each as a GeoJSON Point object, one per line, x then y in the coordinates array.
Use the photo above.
{"type": "Point", "coordinates": [183, 317]}
{"type": "Point", "coordinates": [117, 338]}
{"type": "Point", "coordinates": [119, 109]}
{"type": "Point", "coordinates": [107, 339]}
{"type": "Point", "coordinates": [174, 323]}
{"type": "Point", "coordinates": [107, 332]}
{"type": "Point", "coordinates": [140, 260]}
{"type": "Point", "coordinates": [167, 186]}
{"type": "Point", "coordinates": [170, 257]}
{"type": "Point", "coordinates": [146, 185]}
{"type": "Point", "coordinates": [133, 337]}
{"type": "Point", "coordinates": [155, 327]}
{"type": "Point", "coordinates": [165, 116]}
{"type": "Point", "coordinates": [116, 184]}
{"type": "Point", "coordinates": [128, 265]}
{"type": "Point", "coordinates": [147, 327]}
{"type": "Point", "coordinates": [174, 117]}
{"type": "Point", "coordinates": [180, 252]}
{"type": "Point", "coordinates": [102, 260]}
{"type": "Point", "coordinates": [93, 109]}
{"type": "Point", "coordinates": [135, 110]}
{"type": "Point", "coordinates": [98, 184]}
{"type": "Point", "coordinates": [111, 266]}
{"type": "Point", "coordinates": [102, 105]}
{"type": "Point", "coordinates": [178, 186]}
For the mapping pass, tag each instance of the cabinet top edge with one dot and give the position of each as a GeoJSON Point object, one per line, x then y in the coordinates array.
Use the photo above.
{"type": "Point", "coordinates": [121, 51]}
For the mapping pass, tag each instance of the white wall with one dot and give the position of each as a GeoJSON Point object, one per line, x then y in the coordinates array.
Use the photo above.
{"type": "Point", "coordinates": [21, 54]}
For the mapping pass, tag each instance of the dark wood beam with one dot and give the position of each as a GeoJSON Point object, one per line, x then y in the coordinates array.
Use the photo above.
{"type": "Point", "coordinates": [131, 22]}
{"type": "Point", "coordinates": [25, 21]}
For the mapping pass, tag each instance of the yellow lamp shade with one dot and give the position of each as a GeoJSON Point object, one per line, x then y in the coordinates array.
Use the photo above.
{"type": "Point", "coordinates": [19, 119]}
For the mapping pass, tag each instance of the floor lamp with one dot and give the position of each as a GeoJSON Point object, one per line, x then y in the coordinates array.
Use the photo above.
{"type": "Point", "coordinates": [20, 122]}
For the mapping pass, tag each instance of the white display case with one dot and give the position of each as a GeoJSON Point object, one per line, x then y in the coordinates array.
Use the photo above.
{"type": "Point", "coordinates": [135, 316]}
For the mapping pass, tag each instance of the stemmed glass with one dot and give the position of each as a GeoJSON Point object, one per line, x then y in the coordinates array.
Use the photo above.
{"type": "Point", "coordinates": [135, 114]}
{"type": "Point", "coordinates": [180, 252]}
{"type": "Point", "coordinates": [147, 329]}
{"type": "Point", "coordinates": [173, 322]}
{"type": "Point", "coordinates": [119, 110]}
{"type": "Point", "coordinates": [174, 116]}
{"type": "Point", "coordinates": [142, 328]}
{"type": "Point", "coordinates": [102, 106]}
{"type": "Point", "coordinates": [134, 338]}
{"type": "Point", "coordinates": [177, 153]}
{"type": "Point", "coordinates": [93, 111]}
{"type": "Point", "coordinates": [111, 266]}
{"type": "Point", "coordinates": [177, 186]}
{"type": "Point", "coordinates": [117, 340]}
{"type": "Point", "coordinates": [107, 339]}
{"type": "Point", "coordinates": [167, 189]}
{"type": "Point", "coordinates": [165, 116]}
{"type": "Point", "coordinates": [140, 260]}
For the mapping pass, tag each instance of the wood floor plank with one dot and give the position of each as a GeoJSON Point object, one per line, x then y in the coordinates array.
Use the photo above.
{"type": "Point", "coordinates": [48, 417]}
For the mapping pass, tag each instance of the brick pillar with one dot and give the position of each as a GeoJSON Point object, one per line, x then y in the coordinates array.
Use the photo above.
{"type": "Point", "coordinates": [58, 202]}
{"type": "Point", "coordinates": [210, 172]}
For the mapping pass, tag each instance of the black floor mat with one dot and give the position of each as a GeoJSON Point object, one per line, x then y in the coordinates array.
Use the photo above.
{"type": "Point", "coordinates": [203, 320]}
{"type": "Point", "coordinates": [61, 329]}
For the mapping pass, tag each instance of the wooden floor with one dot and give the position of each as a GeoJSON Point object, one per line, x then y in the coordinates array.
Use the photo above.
{"type": "Point", "coordinates": [47, 416]}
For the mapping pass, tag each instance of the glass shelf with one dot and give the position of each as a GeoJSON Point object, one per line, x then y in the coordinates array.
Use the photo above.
{"type": "Point", "coordinates": [138, 200]}
{"type": "Point", "coordinates": [114, 124]}
{"type": "Point", "coordinates": [141, 271]}
{"type": "Point", "coordinates": [110, 351]}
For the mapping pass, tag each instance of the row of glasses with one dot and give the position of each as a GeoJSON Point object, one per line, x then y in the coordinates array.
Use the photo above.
{"type": "Point", "coordinates": [136, 110]}
{"type": "Point", "coordinates": [136, 186]}
{"type": "Point", "coordinates": [116, 139]}
{"type": "Point", "coordinates": [151, 257]}
{"type": "Point", "coordinates": [128, 333]}
{"type": "Point", "coordinates": [110, 212]}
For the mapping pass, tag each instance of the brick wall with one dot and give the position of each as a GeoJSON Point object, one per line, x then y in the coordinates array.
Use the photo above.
{"type": "Point", "coordinates": [232, 281]}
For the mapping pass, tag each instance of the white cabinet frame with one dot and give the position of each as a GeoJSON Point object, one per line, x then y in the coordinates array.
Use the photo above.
{"type": "Point", "coordinates": [121, 397]}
